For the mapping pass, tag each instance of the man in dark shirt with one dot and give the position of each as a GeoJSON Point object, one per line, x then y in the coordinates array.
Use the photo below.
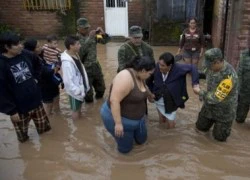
{"type": "Point", "coordinates": [19, 92]}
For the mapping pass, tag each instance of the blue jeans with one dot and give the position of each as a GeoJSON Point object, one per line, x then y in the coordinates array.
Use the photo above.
{"type": "Point", "coordinates": [133, 130]}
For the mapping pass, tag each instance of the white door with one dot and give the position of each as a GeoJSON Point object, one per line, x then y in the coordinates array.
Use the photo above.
{"type": "Point", "coordinates": [116, 17]}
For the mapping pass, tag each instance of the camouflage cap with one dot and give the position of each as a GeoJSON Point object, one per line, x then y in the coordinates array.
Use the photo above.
{"type": "Point", "coordinates": [211, 55]}
{"type": "Point", "coordinates": [82, 22]}
{"type": "Point", "coordinates": [135, 31]}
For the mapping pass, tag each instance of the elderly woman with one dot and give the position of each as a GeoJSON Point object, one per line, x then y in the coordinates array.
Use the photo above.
{"type": "Point", "coordinates": [169, 87]}
{"type": "Point", "coordinates": [124, 112]}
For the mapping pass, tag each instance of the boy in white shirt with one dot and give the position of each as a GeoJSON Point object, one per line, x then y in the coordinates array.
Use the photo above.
{"type": "Point", "coordinates": [74, 75]}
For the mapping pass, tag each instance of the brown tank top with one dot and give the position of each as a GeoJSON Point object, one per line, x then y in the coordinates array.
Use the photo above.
{"type": "Point", "coordinates": [133, 106]}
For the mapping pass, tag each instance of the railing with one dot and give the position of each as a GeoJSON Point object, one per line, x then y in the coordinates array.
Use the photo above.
{"type": "Point", "coordinates": [47, 4]}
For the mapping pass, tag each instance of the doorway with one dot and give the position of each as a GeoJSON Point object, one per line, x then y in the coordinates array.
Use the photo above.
{"type": "Point", "coordinates": [116, 17]}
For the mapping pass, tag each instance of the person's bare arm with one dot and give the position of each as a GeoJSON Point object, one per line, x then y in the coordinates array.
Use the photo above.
{"type": "Point", "coordinates": [122, 85]}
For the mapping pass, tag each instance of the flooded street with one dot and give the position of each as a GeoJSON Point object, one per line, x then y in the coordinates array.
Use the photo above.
{"type": "Point", "coordinates": [84, 150]}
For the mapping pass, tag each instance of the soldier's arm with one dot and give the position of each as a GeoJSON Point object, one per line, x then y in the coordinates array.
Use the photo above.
{"type": "Point", "coordinates": [219, 93]}
{"type": "Point", "coordinates": [240, 68]}
{"type": "Point", "coordinates": [121, 58]}
{"type": "Point", "coordinates": [151, 53]}
{"type": "Point", "coordinates": [86, 43]}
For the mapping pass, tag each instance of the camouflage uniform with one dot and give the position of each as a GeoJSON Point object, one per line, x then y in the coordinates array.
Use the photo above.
{"type": "Point", "coordinates": [88, 57]}
{"type": "Point", "coordinates": [128, 50]}
{"type": "Point", "coordinates": [220, 99]}
{"type": "Point", "coordinates": [244, 86]}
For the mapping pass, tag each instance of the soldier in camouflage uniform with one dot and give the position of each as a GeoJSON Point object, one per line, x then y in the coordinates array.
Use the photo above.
{"type": "Point", "coordinates": [134, 47]}
{"type": "Point", "coordinates": [244, 86]}
{"type": "Point", "coordinates": [220, 98]}
{"type": "Point", "coordinates": [88, 41]}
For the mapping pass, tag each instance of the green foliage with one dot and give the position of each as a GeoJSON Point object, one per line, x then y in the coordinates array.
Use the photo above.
{"type": "Point", "coordinates": [69, 18]}
{"type": "Point", "coordinates": [166, 32]}
{"type": "Point", "coordinates": [6, 28]}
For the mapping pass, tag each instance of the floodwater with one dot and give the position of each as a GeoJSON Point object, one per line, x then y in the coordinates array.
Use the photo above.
{"type": "Point", "coordinates": [84, 150]}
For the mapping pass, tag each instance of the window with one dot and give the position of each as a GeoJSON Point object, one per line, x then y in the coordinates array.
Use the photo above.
{"type": "Point", "coordinates": [110, 3]}
{"type": "Point", "coordinates": [178, 9]}
{"type": "Point", "coordinates": [121, 3]}
{"type": "Point", "coordinates": [47, 4]}
{"type": "Point", "coordinates": [116, 3]}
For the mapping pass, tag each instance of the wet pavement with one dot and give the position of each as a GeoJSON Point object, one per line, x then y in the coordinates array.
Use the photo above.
{"type": "Point", "coordinates": [83, 149]}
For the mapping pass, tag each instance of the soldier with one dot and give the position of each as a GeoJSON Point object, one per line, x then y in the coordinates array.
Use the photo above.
{"type": "Point", "coordinates": [244, 86]}
{"type": "Point", "coordinates": [134, 47]}
{"type": "Point", "coordinates": [220, 98]}
{"type": "Point", "coordinates": [88, 41]}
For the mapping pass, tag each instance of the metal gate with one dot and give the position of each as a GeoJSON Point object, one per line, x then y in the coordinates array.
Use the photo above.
{"type": "Point", "coordinates": [116, 17]}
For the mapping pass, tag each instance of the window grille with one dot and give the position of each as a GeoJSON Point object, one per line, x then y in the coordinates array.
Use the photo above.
{"type": "Point", "coordinates": [116, 3]}
{"type": "Point", "coordinates": [47, 4]}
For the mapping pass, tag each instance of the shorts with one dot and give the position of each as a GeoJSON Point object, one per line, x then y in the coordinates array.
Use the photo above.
{"type": "Point", "coordinates": [161, 108]}
{"type": "Point", "coordinates": [189, 54]}
{"type": "Point", "coordinates": [75, 104]}
{"type": "Point", "coordinates": [40, 119]}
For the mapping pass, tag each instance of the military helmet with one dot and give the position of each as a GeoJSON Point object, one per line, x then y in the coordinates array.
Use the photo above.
{"type": "Point", "coordinates": [135, 31]}
{"type": "Point", "coordinates": [82, 22]}
{"type": "Point", "coordinates": [211, 55]}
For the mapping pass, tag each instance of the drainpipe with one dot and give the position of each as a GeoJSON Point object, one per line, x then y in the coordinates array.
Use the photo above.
{"type": "Point", "coordinates": [225, 28]}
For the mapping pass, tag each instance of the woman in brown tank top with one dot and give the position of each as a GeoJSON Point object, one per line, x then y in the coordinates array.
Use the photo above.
{"type": "Point", "coordinates": [124, 113]}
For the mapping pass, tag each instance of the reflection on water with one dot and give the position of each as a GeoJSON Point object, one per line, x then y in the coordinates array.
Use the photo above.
{"type": "Point", "coordinates": [83, 149]}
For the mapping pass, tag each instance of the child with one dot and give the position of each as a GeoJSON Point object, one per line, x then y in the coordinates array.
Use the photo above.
{"type": "Point", "coordinates": [51, 55]}
{"type": "Point", "coordinates": [74, 75]}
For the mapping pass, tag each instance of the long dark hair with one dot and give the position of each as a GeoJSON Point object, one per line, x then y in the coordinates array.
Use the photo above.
{"type": "Point", "coordinates": [139, 63]}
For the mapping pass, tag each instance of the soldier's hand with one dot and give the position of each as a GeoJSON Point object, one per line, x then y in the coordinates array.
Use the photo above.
{"type": "Point", "coordinates": [99, 29]}
{"type": "Point", "coordinates": [15, 117]}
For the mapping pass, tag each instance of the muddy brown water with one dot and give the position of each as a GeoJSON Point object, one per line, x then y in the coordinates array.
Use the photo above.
{"type": "Point", "coordinates": [83, 149]}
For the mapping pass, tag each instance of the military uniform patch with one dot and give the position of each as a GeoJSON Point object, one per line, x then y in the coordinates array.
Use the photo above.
{"type": "Point", "coordinates": [224, 88]}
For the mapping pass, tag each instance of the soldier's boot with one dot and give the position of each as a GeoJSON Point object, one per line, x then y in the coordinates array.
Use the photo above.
{"type": "Point", "coordinates": [242, 111]}
{"type": "Point", "coordinates": [221, 131]}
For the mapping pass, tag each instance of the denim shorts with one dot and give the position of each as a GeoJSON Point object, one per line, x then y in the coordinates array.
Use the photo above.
{"type": "Point", "coordinates": [189, 54]}
{"type": "Point", "coordinates": [134, 130]}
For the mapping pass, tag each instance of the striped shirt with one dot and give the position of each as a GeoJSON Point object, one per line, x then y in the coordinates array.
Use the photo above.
{"type": "Point", "coordinates": [51, 55]}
